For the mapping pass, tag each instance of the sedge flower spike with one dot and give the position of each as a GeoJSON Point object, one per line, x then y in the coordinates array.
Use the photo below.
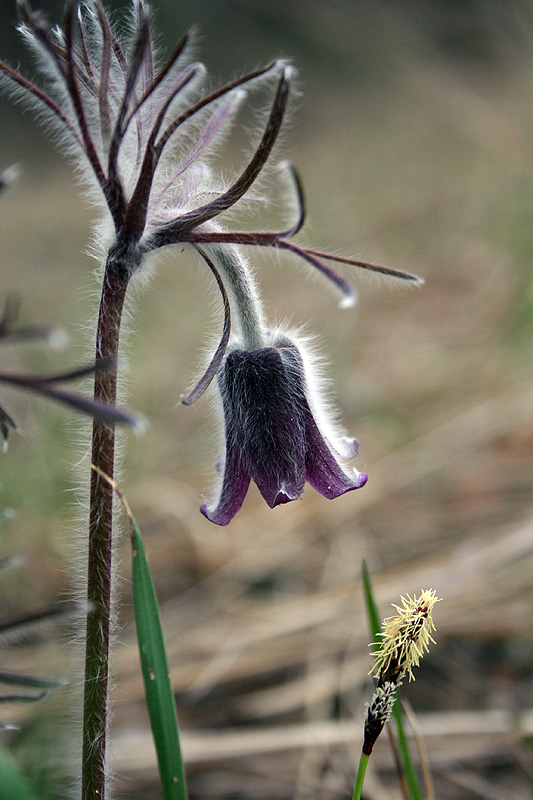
{"type": "Point", "coordinates": [404, 638]}
{"type": "Point", "coordinates": [378, 713]}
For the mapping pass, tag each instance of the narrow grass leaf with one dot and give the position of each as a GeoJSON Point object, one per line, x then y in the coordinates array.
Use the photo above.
{"type": "Point", "coordinates": [374, 620]}
{"type": "Point", "coordinates": [154, 666]}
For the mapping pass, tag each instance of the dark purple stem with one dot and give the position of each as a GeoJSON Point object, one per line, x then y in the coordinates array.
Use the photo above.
{"type": "Point", "coordinates": [99, 568]}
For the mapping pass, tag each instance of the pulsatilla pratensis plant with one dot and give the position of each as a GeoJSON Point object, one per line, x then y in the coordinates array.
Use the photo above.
{"type": "Point", "coordinates": [142, 131]}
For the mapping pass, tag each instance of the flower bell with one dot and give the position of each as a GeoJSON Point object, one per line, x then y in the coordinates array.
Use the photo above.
{"type": "Point", "coordinates": [277, 433]}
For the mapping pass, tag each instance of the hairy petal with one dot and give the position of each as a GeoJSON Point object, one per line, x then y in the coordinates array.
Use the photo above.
{"type": "Point", "coordinates": [262, 421]}
{"type": "Point", "coordinates": [235, 483]}
{"type": "Point", "coordinates": [323, 468]}
{"type": "Point", "coordinates": [324, 472]}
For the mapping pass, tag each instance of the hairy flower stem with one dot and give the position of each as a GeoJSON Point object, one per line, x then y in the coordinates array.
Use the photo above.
{"type": "Point", "coordinates": [247, 304]}
{"type": "Point", "coordinates": [99, 568]}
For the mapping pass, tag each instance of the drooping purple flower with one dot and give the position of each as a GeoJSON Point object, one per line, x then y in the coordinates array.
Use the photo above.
{"type": "Point", "coordinates": [275, 432]}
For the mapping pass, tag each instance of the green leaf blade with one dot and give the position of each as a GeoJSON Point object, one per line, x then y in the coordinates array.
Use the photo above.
{"type": "Point", "coordinates": [374, 620]}
{"type": "Point", "coordinates": [154, 665]}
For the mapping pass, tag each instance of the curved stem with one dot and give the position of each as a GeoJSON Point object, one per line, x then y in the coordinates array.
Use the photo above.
{"type": "Point", "coordinates": [99, 566]}
{"type": "Point", "coordinates": [249, 316]}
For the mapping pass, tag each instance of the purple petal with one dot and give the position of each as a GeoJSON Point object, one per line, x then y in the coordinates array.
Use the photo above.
{"type": "Point", "coordinates": [324, 472]}
{"type": "Point", "coordinates": [268, 482]}
{"type": "Point", "coordinates": [282, 498]}
{"type": "Point", "coordinates": [235, 484]}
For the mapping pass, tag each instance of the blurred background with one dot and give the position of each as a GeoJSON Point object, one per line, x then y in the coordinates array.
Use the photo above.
{"type": "Point", "coordinates": [412, 129]}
